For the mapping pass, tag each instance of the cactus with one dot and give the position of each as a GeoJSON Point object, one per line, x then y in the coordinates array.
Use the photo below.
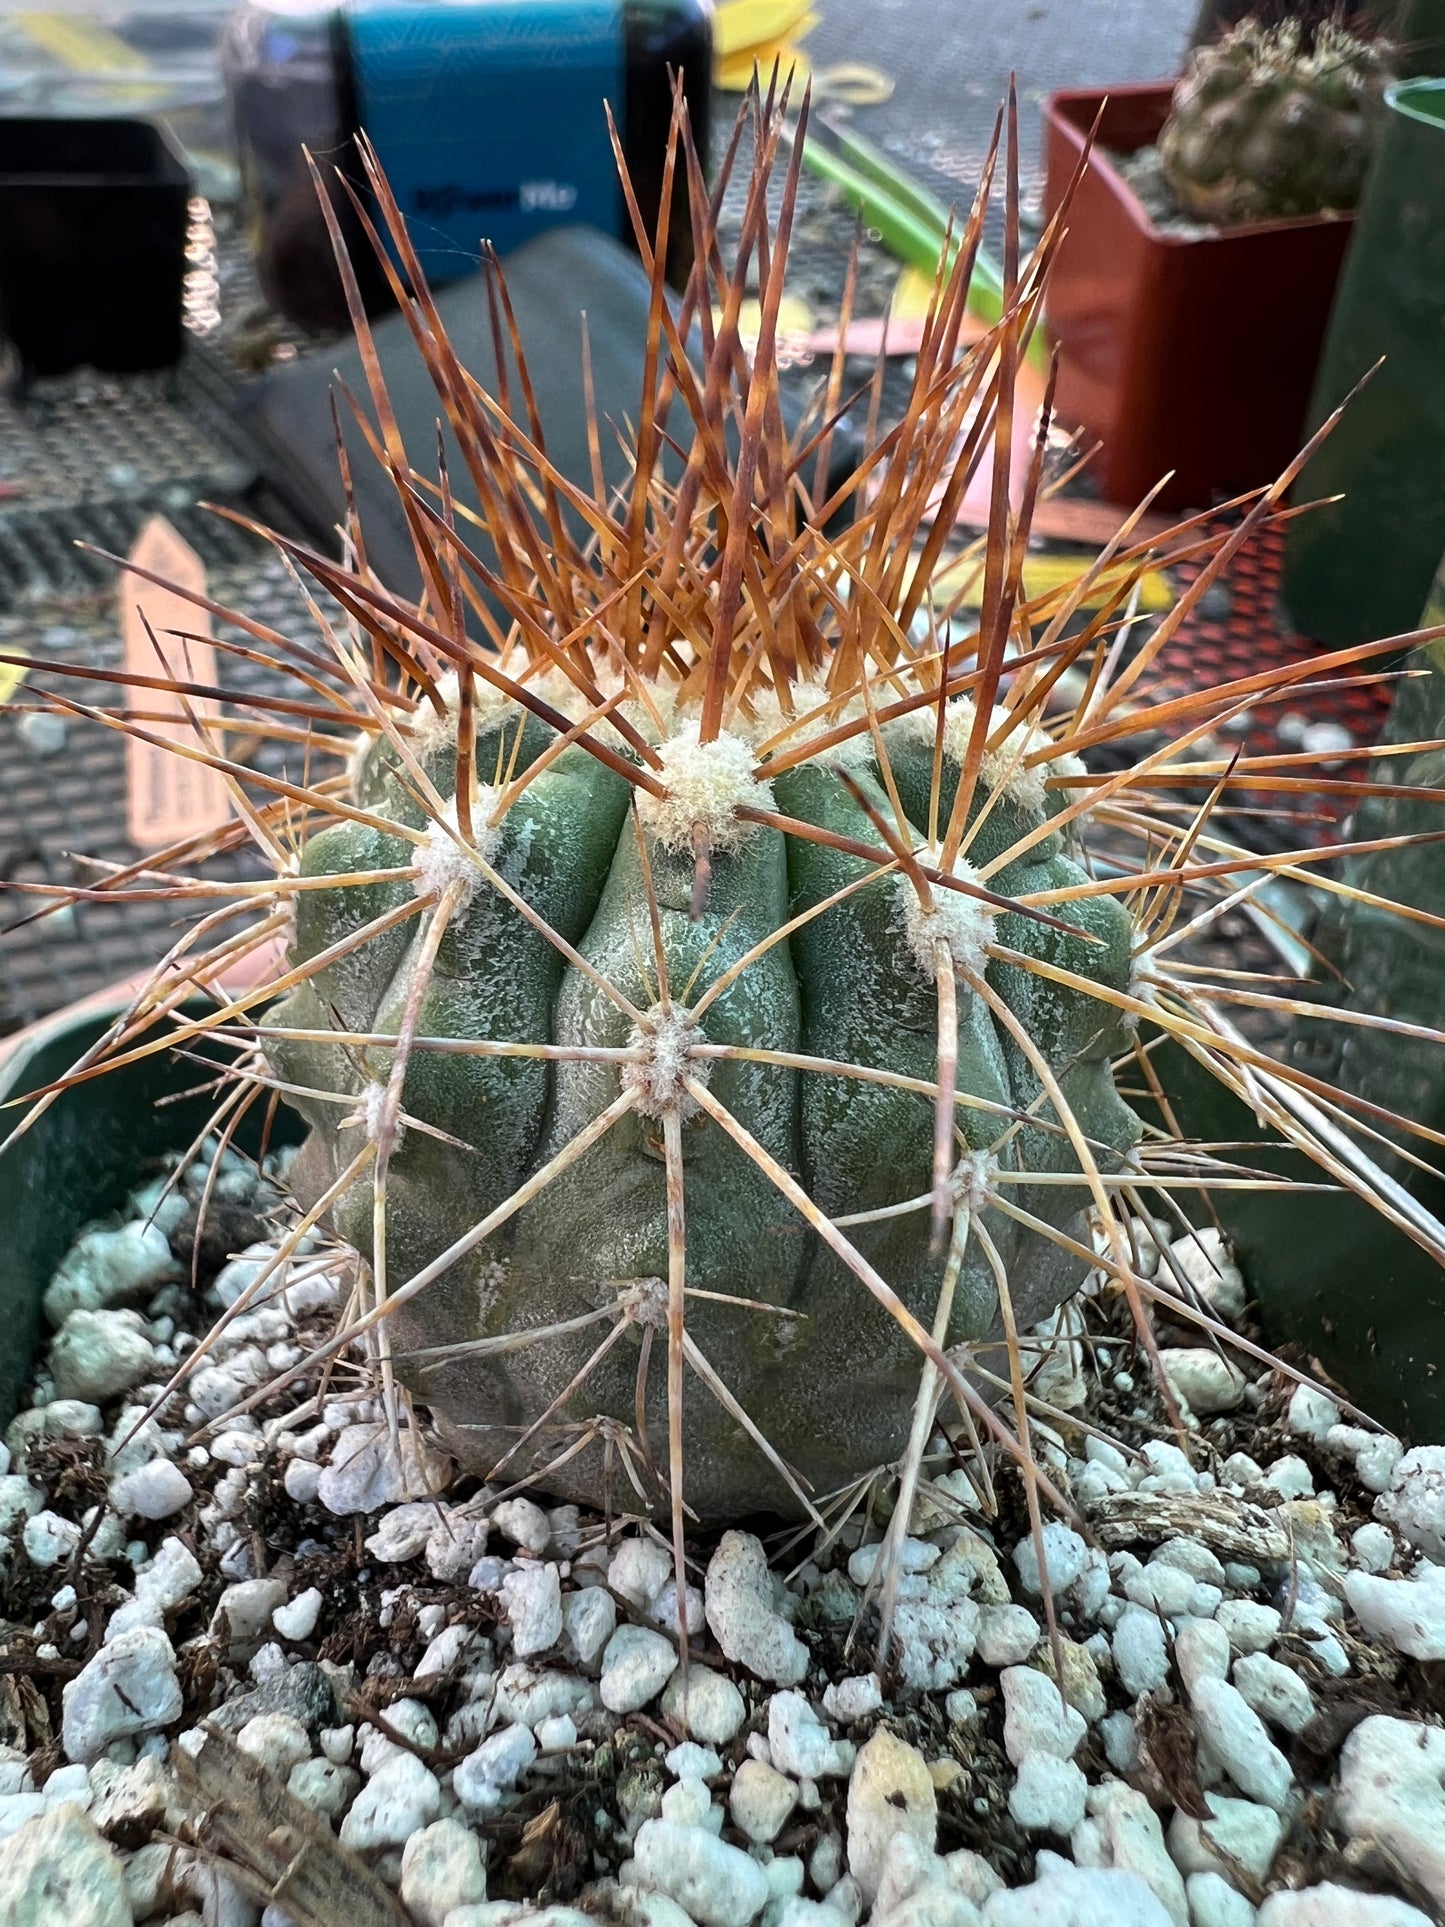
{"type": "Point", "coordinates": [700, 982]}
{"type": "Point", "coordinates": [1270, 122]}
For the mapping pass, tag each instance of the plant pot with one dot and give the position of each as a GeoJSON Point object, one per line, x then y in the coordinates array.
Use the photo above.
{"type": "Point", "coordinates": [1190, 353]}
{"type": "Point", "coordinates": [81, 1158]}
{"type": "Point", "coordinates": [1362, 566]}
{"type": "Point", "coordinates": [92, 244]}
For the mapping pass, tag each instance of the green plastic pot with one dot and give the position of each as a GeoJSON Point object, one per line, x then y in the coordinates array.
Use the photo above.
{"type": "Point", "coordinates": [1361, 568]}
{"type": "Point", "coordinates": [95, 1144]}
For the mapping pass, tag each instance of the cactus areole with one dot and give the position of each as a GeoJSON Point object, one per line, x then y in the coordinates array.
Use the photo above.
{"type": "Point", "coordinates": [765, 1055]}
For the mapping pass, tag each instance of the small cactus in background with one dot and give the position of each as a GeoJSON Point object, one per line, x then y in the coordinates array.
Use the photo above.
{"type": "Point", "coordinates": [1272, 122]}
{"type": "Point", "coordinates": [701, 981]}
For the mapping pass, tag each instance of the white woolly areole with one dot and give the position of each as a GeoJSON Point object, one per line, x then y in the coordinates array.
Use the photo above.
{"type": "Point", "coordinates": [973, 1180]}
{"type": "Point", "coordinates": [1004, 767]}
{"type": "Point", "coordinates": [666, 1037]}
{"type": "Point", "coordinates": [707, 783]}
{"type": "Point", "coordinates": [445, 858]}
{"type": "Point", "coordinates": [811, 717]}
{"type": "Point", "coordinates": [962, 924]}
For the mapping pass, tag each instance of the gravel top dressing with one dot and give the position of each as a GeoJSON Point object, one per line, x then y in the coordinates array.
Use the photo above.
{"type": "Point", "coordinates": [264, 1662]}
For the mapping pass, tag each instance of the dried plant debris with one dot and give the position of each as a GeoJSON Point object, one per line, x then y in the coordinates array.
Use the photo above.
{"type": "Point", "coordinates": [734, 1415]}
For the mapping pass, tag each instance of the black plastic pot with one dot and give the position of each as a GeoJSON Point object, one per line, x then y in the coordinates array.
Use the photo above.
{"type": "Point", "coordinates": [92, 244]}
{"type": "Point", "coordinates": [92, 1146]}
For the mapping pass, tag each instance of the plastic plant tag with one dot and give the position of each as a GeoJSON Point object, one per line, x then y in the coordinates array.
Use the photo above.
{"type": "Point", "coordinates": [170, 796]}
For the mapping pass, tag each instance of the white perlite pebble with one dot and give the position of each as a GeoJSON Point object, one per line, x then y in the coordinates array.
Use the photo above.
{"type": "Point", "coordinates": [1140, 1658]}
{"type": "Point", "coordinates": [1048, 1795]}
{"type": "Point", "coordinates": [48, 1539]}
{"type": "Point", "coordinates": [497, 1764]}
{"type": "Point", "coordinates": [278, 1740]}
{"type": "Point", "coordinates": [715, 1884]}
{"type": "Point", "coordinates": [129, 1687]}
{"type": "Point", "coordinates": [365, 1473]}
{"type": "Point", "coordinates": [1214, 1903]}
{"type": "Point", "coordinates": [1392, 1796]}
{"type": "Point", "coordinates": [760, 1800]}
{"type": "Point", "coordinates": [1203, 1259]}
{"type": "Point", "coordinates": [1414, 1503]}
{"type": "Point", "coordinates": [1123, 1831]}
{"type": "Point", "coordinates": [245, 1610]}
{"type": "Point", "coordinates": [1007, 1635]}
{"type": "Point", "coordinates": [738, 1595]}
{"type": "Point", "coordinates": [297, 1618]}
{"type": "Point", "coordinates": [57, 1871]}
{"type": "Point", "coordinates": [172, 1575]}
{"type": "Point", "coordinates": [1201, 1651]}
{"type": "Point", "coordinates": [1077, 1897]}
{"type": "Point", "coordinates": [402, 1532]}
{"type": "Point", "coordinates": [525, 1524]}
{"type": "Point", "coordinates": [1249, 1626]}
{"type": "Point", "coordinates": [707, 1705]}
{"type": "Point", "coordinates": [1329, 1905]}
{"type": "Point", "coordinates": [890, 1791]}
{"type": "Point", "coordinates": [1232, 1733]}
{"type": "Point", "coordinates": [638, 1571]}
{"type": "Point", "coordinates": [1244, 1833]}
{"type": "Point", "coordinates": [1275, 1692]}
{"type": "Point", "coordinates": [1373, 1547]}
{"type": "Point", "coordinates": [1311, 1414]}
{"type": "Point", "coordinates": [1037, 1719]}
{"type": "Point", "coordinates": [323, 1785]}
{"type": "Point", "coordinates": [636, 1665]}
{"type": "Point", "coordinates": [1205, 1382]}
{"type": "Point", "coordinates": [850, 1700]}
{"type": "Point", "coordinates": [441, 1868]}
{"type": "Point", "coordinates": [532, 1601]}
{"type": "Point", "coordinates": [1406, 1614]}
{"type": "Point", "coordinates": [1065, 1555]}
{"type": "Point", "coordinates": [400, 1798]}
{"type": "Point", "coordinates": [799, 1742]}
{"type": "Point", "coordinates": [99, 1353]}
{"type": "Point", "coordinates": [153, 1491]}
{"type": "Point", "coordinates": [589, 1619]}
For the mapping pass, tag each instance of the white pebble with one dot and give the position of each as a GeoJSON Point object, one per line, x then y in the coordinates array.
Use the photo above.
{"type": "Point", "coordinates": [1201, 1651]}
{"type": "Point", "coordinates": [153, 1491]}
{"type": "Point", "coordinates": [1231, 1732]}
{"type": "Point", "coordinates": [1237, 1831]}
{"type": "Point", "coordinates": [302, 1480]}
{"type": "Point", "coordinates": [1205, 1382]}
{"type": "Point", "coordinates": [1007, 1635]}
{"type": "Point", "coordinates": [760, 1800]}
{"type": "Point", "coordinates": [890, 1791]}
{"type": "Point", "coordinates": [532, 1601]}
{"type": "Point", "coordinates": [1407, 1614]}
{"type": "Point", "coordinates": [1251, 1627]}
{"type": "Point", "coordinates": [715, 1884]}
{"type": "Point", "coordinates": [1214, 1903]}
{"type": "Point", "coordinates": [441, 1868]}
{"type": "Point", "coordinates": [1037, 1719]}
{"type": "Point", "coordinates": [636, 1665]}
{"type": "Point", "coordinates": [638, 1571]}
{"type": "Point", "coordinates": [742, 1615]}
{"type": "Point", "coordinates": [707, 1705]}
{"type": "Point", "coordinates": [589, 1620]}
{"type": "Point", "coordinates": [1391, 1799]}
{"type": "Point", "coordinates": [525, 1524]}
{"type": "Point", "coordinates": [278, 1740]}
{"type": "Point", "coordinates": [129, 1687]}
{"type": "Point", "coordinates": [496, 1765]}
{"type": "Point", "coordinates": [1311, 1414]}
{"type": "Point", "coordinates": [1140, 1658]}
{"type": "Point", "coordinates": [850, 1700]}
{"type": "Point", "coordinates": [1373, 1547]}
{"type": "Point", "coordinates": [1065, 1555]}
{"type": "Point", "coordinates": [1048, 1795]}
{"type": "Point", "coordinates": [1329, 1905]}
{"type": "Point", "coordinates": [1276, 1694]}
{"type": "Point", "coordinates": [401, 1797]}
{"type": "Point", "coordinates": [1414, 1503]}
{"type": "Point", "coordinates": [324, 1785]}
{"type": "Point", "coordinates": [297, 1618]}
{"type": "Point", "coordinates": [799, 1742]}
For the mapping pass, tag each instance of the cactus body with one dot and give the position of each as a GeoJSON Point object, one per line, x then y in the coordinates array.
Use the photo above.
{"type": "Point", "coordinates": [823, 1371]}
{"type": "Point", "coordinates": [1263, 127]}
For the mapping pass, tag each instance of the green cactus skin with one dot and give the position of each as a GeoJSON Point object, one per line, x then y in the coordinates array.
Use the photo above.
{"type": "Point", "coordinates": [1262, 128]}
{"type": "Point", "coordinates": [828, 1377]}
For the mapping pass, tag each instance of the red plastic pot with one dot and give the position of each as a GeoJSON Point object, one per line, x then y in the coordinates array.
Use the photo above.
{"type": "Point", "coordinates": [1196, 355]}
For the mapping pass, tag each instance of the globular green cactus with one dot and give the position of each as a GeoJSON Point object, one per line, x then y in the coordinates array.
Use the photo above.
{"type": "Point", "coordinates": [1269, 123]}
{"type": "Point", "coordinates": [720, 1027]}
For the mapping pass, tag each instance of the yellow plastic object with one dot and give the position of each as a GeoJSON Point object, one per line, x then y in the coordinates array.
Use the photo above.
{"type": "Point", "coordinates": [12, 674]}
{"type": "Point", "coordinates": [754, 35]}
{"type": "Point", "coordinates": [961, 587]}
